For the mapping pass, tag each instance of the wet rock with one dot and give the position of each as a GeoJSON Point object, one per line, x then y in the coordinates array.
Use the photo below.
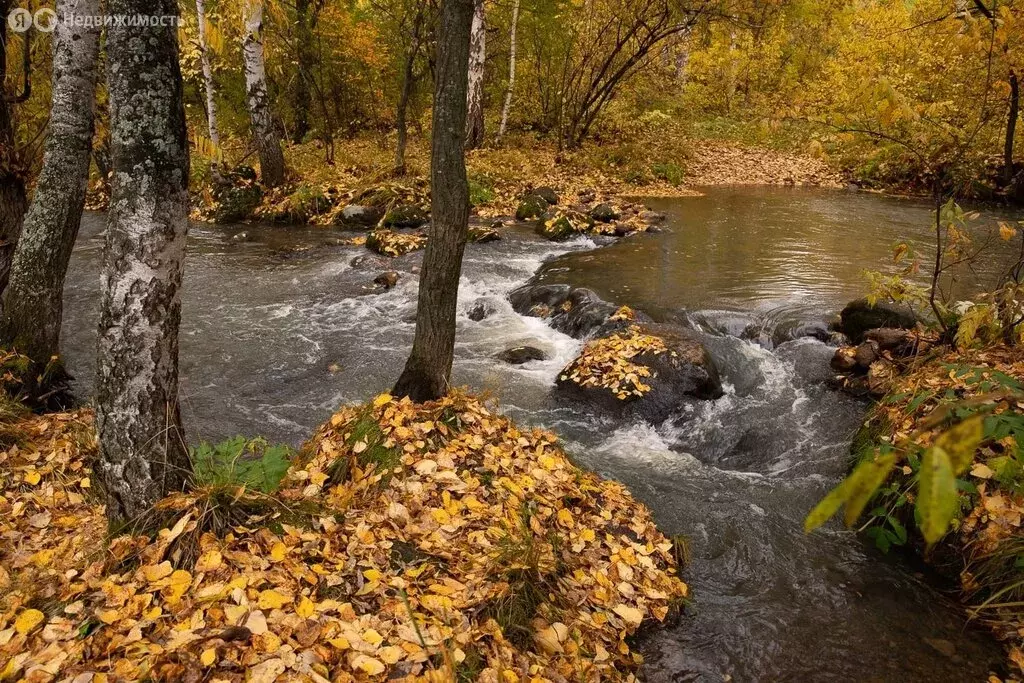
{"type": "Point", "coordinates": [520, 355]}
{"type": "Point", "coordinates": [682, 373]}
{"type": "Point", "coordinates": [356, 215]}
{"type": "Point", "coordinates": [548, 194]}
{"type": "Point", "coordinates": [483, 235]}
{"type": "Point", "coordinates": [406, 216]}
{"type": "Point", "coordinates": [480, 309]}
{"type": "Point", "coordinates": [575, 311]}
{"type": "Point", "coordinates": [652, 216]}
{"type": "Point", "coordinates": [497, 225]}
{"type": "Point", "coordinates": [844, 360]}
{"type": "Point", "coordinates": [866, 354]}
{"type": "Point", "coordinates": [624, 229]}
{"type": "Point", "coordinates": [387, 280]}
{"type": "Point", "coordinates": [532, 206]}
{"type": "Point", "coordinates": [242, 236]}
{"type": "Point", "coordinates": [860, 316]}
{"type": "Point", "coordinates": [895, 341]}
{"type": "Point", "coordinates": [557, 229]}
{"type": "Point", "coordinates": [604, 213]}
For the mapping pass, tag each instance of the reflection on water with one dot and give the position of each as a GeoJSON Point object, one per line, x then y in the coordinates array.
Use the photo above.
{"type": "Point", "coordinates": [277, 331]}
{"type": "Point", "coordinates": [795, 250]}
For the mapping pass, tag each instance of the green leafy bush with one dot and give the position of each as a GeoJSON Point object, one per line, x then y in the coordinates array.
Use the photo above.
{"type": "Point", "coordinates": [253, 463]}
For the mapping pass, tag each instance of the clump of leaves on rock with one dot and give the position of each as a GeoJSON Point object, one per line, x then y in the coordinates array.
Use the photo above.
{"type": "Point", "coordinates": [607, 363]}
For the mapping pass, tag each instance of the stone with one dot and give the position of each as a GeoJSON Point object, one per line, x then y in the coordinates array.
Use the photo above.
{"type": "Point", "coordinates": [866, 354]}
{"type": "Point", "coordinates": [604, 213]}
{"type": "Point", "coordinates": [896, 341]}
{"type": "Point", "coordinates": [521, 354]}
{"type": "Point", "coordinates": [531, 207]}
{"type": "Point", "coordinates": [844, 360]}
{"type": "Point", "coordinates": [557, 229]}
{"type": "Point", "coordinates": [860, 316]}
{"type": "Point", "coordinates": [357, 215]}
{"type": "Point", "coordinates": [480, 309]}
{"type": "Point", "coordinates": [242, 236]}
{"type": "Point", "coordinates": [548, 194]}
{"type": "Point", "coordinates": [406, 216]}
{"type": "Point", "coordinates": [386, 279]}
{"type": "Point", "coordinates": [483, 235]}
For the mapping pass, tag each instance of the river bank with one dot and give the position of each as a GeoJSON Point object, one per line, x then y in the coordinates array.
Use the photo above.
{"type": "Point", "coordinates": [280, 329]}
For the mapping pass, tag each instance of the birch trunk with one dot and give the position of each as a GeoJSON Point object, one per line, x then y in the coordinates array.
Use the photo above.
{"type": "Point", "coordinates": [32, 303]}
{"type": "Point", "coordinates": [211, 89]}
{"type": "Point", "coordinates": [142, 451]}
{"type": "Point", "coordinates": [428, 371]}
{"type": "Point", "coordinates": [477, 56]}
{"type": "Point", "coordinates": [268, 143]}
{"type": "Point", "coordinates": [511, 71]}
{"type": "Point", "coordinates": [13, 200]}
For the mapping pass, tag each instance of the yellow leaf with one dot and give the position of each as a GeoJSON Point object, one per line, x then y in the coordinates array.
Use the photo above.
{"type": "Point", "coordinates": [28, 620]}
{"type": "Point", "coordinates": [155, 572]}
{"type": "Point", "coordinates": [629, 614]}
{"type": "Point", "coordinates": [208, 657]}
{"type": "Point", "coordinates": [305, 608]}
{"type": "Point", "coordinates": [271, 599]}
{"type": "Point", "coordinates": [383, 399]}
{"type": "Point", "coordinates": [209, 561]}
{"type": "Point", "coordinates": [32, 477]}
{"type": "Point", "coordinates": [368, 664]}
{"type": "Point", "coordinates": [278, 552]}
{"type": "Point", "coordinates": [1006, 232]}
{"type": "Point", "coordinates": [108, 616]}
{"type": "Point", "coordinates": [359, 447]}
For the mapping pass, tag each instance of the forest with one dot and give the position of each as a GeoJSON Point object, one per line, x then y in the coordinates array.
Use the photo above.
{"type": "Point", "coordinates": [511, 340]}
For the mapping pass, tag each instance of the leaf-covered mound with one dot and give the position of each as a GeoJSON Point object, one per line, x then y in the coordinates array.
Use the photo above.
{"type": "Point", "coordinates": [417, 542]}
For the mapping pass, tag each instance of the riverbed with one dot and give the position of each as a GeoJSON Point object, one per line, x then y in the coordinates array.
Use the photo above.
{"type": "Point", "coordinates": [282, 325]}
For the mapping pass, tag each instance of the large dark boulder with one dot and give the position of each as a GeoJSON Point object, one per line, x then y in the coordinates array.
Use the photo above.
{"type": "Point", "coordinates": [557, 229]}
{"type": "Point", "coordinates": [533, 206]}
{"type": "Point", "coordinates": [575, 311]}
{"type": "Point", "coordinates": [406, 216]}
{"type": "Point", "coordinates": [548, 194]}
{"type": "Point", "coordinates": [680, 372]}
{"type": "Point", "coordinates": [358, 216]}
{"type": "Point", "coordinates": [860, 316]}
{"type": "Point", "coordinates": [604, 213]}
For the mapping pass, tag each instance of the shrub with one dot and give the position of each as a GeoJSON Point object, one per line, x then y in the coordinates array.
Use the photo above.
{"type": "Point", "coordinates": [253, 463]}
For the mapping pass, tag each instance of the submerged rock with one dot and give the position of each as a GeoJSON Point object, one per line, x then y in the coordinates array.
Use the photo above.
{"type": "Point", "coordinates": [647, 372]}
{"type": "Point", "coordinates": [860, 316]}
{"type": "Point", "coordinates": [520, 355]}
{"type": "Point", "coordinates": [387, 280]}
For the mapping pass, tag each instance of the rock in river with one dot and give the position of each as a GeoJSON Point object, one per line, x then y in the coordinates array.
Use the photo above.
{"type": "Point", "coordinates": [521, 354]}
{"type": "Point", "coordinates": [860, 316]}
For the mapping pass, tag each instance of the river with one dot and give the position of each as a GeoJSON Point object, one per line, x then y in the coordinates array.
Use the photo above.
{"type": "Point", "coordinates": [282, 327]}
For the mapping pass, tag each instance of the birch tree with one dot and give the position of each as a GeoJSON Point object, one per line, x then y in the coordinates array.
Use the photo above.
{"type": "Point", "coordinates": [32, 302]}
{"type": "Point", "coordinates": [428, 371]}
{"type": "Point", "coordinates": [142, 451]}
{"type": "Point", "coordinates": [477, 56]}
{"type": "Point", "coordinates": [511, 70]}
{"type": "Point", "coordinates": [268, 142]}
{"type": "Point", "coordinates": [13, 200]}
{"type": "Point", "coordinates": [210, 86]}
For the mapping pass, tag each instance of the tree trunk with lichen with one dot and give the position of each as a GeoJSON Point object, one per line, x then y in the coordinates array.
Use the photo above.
{"type": "Point", "coordinates": [32, 303]}
{"type": "Point", "coordinates": [510, 88]}
{"type": "Point", "coordinates": [13, 199]}
{"type": "Point", "coordinates": [477, 56]}
{"type": "Point", "coordinates": [428, 371]}
{"type": "Point", "coordinates": [142, 450]}
{"type": "Point", "coordinates": [268, 143]}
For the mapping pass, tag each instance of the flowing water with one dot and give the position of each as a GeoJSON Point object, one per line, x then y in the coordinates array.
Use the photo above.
{"type": "Point", "coordinates": [281, 328]}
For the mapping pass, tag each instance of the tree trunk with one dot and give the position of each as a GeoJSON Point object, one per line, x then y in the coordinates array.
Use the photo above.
{"type": "Point", "coordinates": [32, 303]}
{"type": "Point", "coordinates": [1011, 130]}
{"type": "Point", "coordinates": [268, 143]}
{"type": "Point", "coordinates": [13, 200]}
{"type": "Point", "coordinates": [428, 371]}
{"type": "Point", "coordinates": [304, 59]}
{"type": "Point", "coordinates": [408, 83]}
{"type": "Point", "coordinates": [477, 56]}
{"type": "Point", "coordinates": [511, 70]}
{"type": "Point", "coordinates": [211, 90]}
{"type": "Point", "coordinates": [142, 449]}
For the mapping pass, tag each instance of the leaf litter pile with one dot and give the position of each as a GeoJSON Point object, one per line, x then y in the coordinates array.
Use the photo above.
{"type": "Point", "coordinates": [607, 362]}
{"type": "Point", "coordinates": [429, 542]}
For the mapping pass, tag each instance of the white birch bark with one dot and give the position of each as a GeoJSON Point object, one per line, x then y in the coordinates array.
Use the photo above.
{"type": "Point", "coordinates": [211, 88]}
{"type": "Point", "coordinates": [507, 106]}
{"type": "Point", "coordinates": [477, 56]}
{"type": "Point", "coordinates": [268, 143]}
